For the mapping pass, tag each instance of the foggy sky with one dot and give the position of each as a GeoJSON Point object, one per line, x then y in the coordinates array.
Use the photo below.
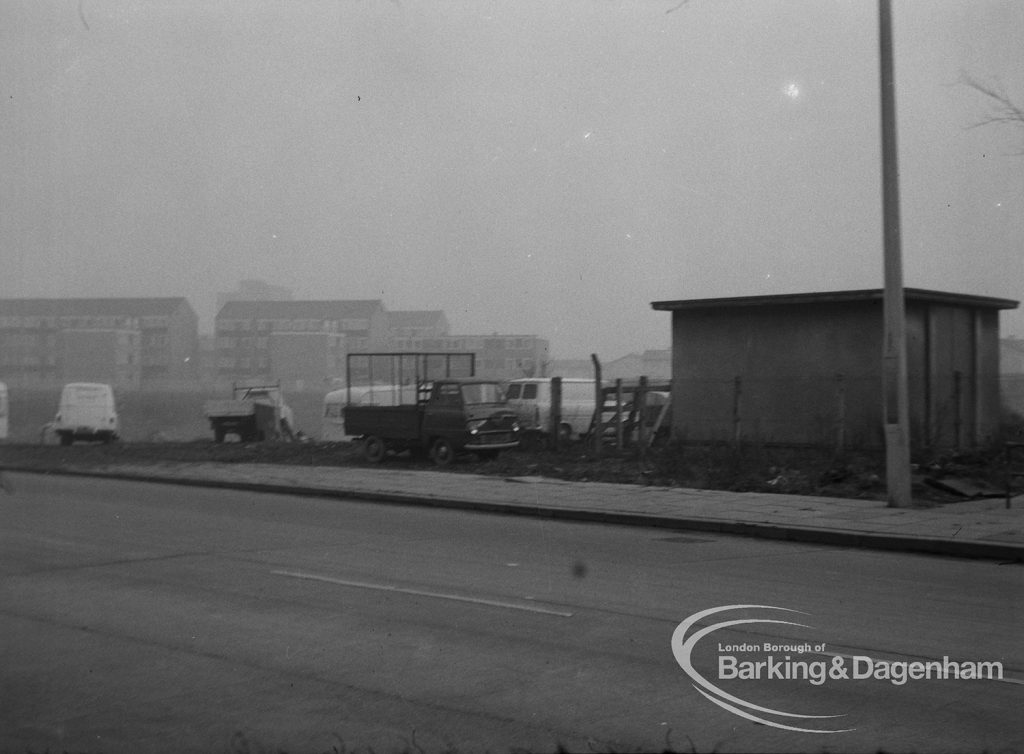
{"type": "Point", "coordinates": [541, 167]}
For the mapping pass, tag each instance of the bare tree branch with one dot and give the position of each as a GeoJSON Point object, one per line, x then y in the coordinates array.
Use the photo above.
{"type": "Point", "coordinates": [1002, 109]}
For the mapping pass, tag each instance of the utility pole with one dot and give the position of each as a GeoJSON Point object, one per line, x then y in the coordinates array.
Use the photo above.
{"type": "Point", "coordinates": [895, 408]}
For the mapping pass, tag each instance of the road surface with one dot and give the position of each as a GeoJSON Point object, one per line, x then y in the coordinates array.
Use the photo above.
{"type": "Point", "coordinates": [148, 618]}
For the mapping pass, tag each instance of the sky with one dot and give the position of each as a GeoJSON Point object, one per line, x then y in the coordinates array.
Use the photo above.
{"type": "Point", "coordinates": [532, 167]}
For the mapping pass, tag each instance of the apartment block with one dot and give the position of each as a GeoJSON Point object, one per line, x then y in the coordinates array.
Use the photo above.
{"type": "Point", "coordinates": [251, 343]}
{"type": "Point", "coordinates": [128, 342]}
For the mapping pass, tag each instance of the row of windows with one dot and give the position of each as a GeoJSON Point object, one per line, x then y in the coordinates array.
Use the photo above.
{"type": "Point", "coordinates": [11, 322]}
{"type": "Point", "coordinates": [26, 360]}
{"type": "Point", "coordinates": [292, 325]}
{"type": "Point", "coordinates": [227, 343]}
{"type": "Point", "coordinates": [467, 344]}
{"type": "Point", "coordinates": [416, 332]}
{"type": "Point", "coordinates": [259, 362]}
{"type": "Point", "coordinates": [229, 363]}
{"type": "Point", "coordinates": [19, 340]}
{"type": "Point", "coordinates": [49, 343]}
{"type": "Point", "coordinates": [495, 365]}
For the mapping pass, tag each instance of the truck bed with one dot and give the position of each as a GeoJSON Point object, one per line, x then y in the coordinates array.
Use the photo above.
{"type": "Point", "coordinates": [227, 407]}
{"type": "Point", "coordinates": [388, 422]}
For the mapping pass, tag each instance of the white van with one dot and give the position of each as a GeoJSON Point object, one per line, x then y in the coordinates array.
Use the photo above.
{"type": "Point", "coordinates": [86, 412]}
{"type": "Point", "coordinates": [4, 409]}
{"type": "Point", "coordinates": [530, 398]}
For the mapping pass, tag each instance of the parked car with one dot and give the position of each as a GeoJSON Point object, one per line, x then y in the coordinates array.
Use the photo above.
{"type": "Point", "coordinates": [86, 412]}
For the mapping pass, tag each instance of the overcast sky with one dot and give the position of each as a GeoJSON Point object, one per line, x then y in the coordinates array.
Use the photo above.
{"type": "Point", "coordinates": [541, 167]}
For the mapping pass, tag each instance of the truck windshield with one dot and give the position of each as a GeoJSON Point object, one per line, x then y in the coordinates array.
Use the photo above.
{"type": "Point", "coordinates": [482, 392]}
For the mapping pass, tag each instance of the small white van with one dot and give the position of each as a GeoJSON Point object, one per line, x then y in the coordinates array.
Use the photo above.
{"type": "Point", "coordinates": [86, 412]}
{"type": "Point", "coordinates": [3, 411]}
{"type": "Point", "coordinates": [530, 398]}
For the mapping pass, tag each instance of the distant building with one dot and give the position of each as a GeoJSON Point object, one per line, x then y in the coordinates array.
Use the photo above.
{"type": "Point", "coordinates": [807, 368]}
{"type": "Point", "coordinates": [322, 333]}
{"type": "Point", "coordinates": [407, 327]}
{"type": "Point", "coordinates": [1011, 369]}
{"type": "Point", "coordinates": [250, 339]}
{"type": "Point", "coordinates": [254, 290]}
{"type": "Point", "coordinates": [570, 368]}
{"type": "Point", "coordinates": [498, 356]}
{"type": "Point", "coordinates": [650, 363]}
{"type": "Point", "coordinates": [1011, 356]}
{"type": "Point", "coordinates": [128, 342]}
{"type": "Point", "coordinates": [101, 355]}
{"type": "Point", "coordinates": [509, 356]}
{"type": "Point", "coordinates": [307, 360]}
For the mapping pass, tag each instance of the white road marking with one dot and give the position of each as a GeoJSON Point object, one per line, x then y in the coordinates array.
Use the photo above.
{"type": "Point", "coordinates": [422, 593]}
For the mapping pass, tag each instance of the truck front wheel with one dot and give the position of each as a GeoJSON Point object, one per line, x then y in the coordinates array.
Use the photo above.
{"type": "Point", "coordinates": [374, 449]}
{"type": "Point", "coordinates": [442, 452]}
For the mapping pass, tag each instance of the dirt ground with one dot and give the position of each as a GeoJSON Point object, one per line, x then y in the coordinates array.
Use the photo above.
{"type": "Point", "coordinates": [161, 427]}
{"type": "Point", "coordinates": [749, 470]}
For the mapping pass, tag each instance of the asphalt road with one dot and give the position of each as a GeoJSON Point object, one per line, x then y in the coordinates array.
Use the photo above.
{"type": "Point", "coordinates": [144, 618]}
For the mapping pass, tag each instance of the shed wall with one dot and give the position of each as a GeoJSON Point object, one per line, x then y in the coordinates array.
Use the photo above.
{"type": "Point", "coordinates": [811, 374]}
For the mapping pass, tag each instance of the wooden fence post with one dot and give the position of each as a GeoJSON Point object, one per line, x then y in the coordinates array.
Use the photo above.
{"type": "Point", "coordinates": [840, 414]}
{"type": "Point", "coordinates": [598, 406]}
{"type": "Point", "coordinates": [618, 414]}
{"type": "Point", "coordinates": [640, 407]}
{"type": "Point", "coordinates": [555, 430]}
{"type": "Point", "coordinates": [737, 394]}
{"type": "Point", "coordinates": [958, 418]}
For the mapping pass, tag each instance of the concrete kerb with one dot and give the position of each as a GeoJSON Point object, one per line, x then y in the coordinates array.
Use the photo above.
{"type": "Point", "coordinates": [924, 545]}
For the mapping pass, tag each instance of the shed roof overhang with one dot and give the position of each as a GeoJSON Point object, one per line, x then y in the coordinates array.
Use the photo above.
{"type": "Point", "coordinates": [837, 297]}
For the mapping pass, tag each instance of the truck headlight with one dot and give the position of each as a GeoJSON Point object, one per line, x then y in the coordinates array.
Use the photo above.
{"type": "Point", "coordinates": [475, 425]}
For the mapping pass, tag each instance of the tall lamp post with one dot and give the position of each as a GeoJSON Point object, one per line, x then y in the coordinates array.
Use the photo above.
{"type": "Point", "coordinates": [895, 409]}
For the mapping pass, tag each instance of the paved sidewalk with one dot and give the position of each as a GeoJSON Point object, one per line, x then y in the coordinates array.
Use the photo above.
{"type": "Point", "coordinates": [980, 528]}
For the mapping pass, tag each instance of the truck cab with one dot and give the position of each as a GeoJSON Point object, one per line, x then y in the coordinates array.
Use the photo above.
{"type": "Point", "coordinates": [469, 414]}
